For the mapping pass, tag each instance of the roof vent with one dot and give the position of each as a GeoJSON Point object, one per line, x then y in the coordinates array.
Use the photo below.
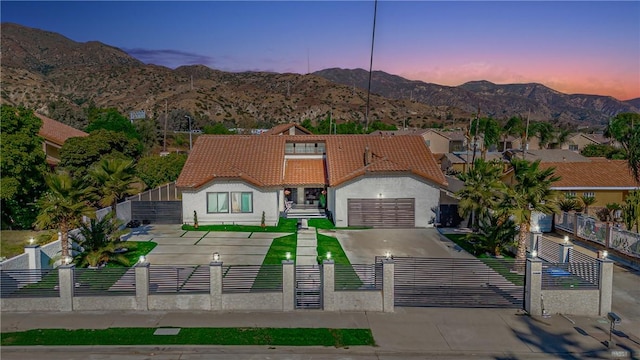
{"type": "Point", "coordinates": [367, 156]}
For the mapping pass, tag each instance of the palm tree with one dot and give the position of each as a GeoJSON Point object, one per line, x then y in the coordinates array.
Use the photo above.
{"type": "Point", "coordinates": [100, 242]}
{"type": "Point", "coordinates": [569, 203]}
{"type": "Point", "coordinates": [513, 127]}
{"type": "Point", "coordinates": [544, 131]}
{"type": "Point", "coordinates": [63, 205]}
{"type": "Point", "coordinates": [482, 190]}
{"type": "Point", "coordinates": [530, 192]}
{"type": "Point", "coordinates": [115, 179]}
{"type": "Point", "coordinates": [625, 128]}
{"type": "Point", "coordinates": [587, 201]}
{"type": "Point", "coordinates": [495, 234]}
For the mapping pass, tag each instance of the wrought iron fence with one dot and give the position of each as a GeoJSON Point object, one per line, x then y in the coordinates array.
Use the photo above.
{"type": "Point", "coordinates": [179, 279]}
{"type": "Point", "coordinates": [104, 281]}
{"type": "Point", "coordinates": [564, 221]}
{"type": "Point", "coordinates": [548, 250]}
{"type": "Point", "coordinates": [357, 277]}
{"type": "Point", "coordinates": [570, 276]}
{"type": "Point", "coordinates": [252, 278]}
{"type": "Point", "coordinates": [29, 283]}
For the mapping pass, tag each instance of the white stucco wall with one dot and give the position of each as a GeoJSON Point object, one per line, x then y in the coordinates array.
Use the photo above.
{"type": "Point", "coordinates": [426, 196]}
{"type": "Point", "coordinates": [263, 200]}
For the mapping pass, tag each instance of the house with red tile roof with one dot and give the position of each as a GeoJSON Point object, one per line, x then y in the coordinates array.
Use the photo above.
{"type": "Point", "coordinates": [360, 180]}
{"type": "Point", "coordinates": [55, 134]}
{"type": "Point", "coordinates": [287, 129]}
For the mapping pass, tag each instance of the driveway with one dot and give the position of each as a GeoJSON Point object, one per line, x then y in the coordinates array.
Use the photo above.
{"type": "Point", "coordinates": [362, 246]}
{"type": "Point", "coordinates": [180, 247]}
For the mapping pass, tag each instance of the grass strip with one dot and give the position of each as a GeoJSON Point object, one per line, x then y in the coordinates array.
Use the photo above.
{"type": "Point", "coordinates": [270, 276]}
{"type": "Point", "coordinates": [326, 224]}
{"type": "Point", "coordinates": [346, 278]}
{"type": "Point", "coordinates": [136, 249]}
{"type": "Point", "coordinates": [192, 336]}
{"type": "Point", "coordinates": [284, 225]}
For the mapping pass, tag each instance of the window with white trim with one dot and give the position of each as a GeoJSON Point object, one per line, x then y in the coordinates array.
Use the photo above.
{"type": "Point", "coordinates": [217, 202]}
{"type": "Point", "coordinates": [589, 194]}
{"type": "Point", "coordinates": [573, 147]}
{"type": "Point", "coordinates": [241, 202]}
{"type": "Point", "coordinates": [570, 194]}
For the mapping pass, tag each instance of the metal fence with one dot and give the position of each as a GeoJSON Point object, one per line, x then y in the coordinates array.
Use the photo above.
{"type": "Point", "coordinates": [625, 242]}
{"type": "Point", "coordinates": [167, 192]}
{"type": "Point", "coordinates": [29, 283]}
{"type": "Point", "coordinates": [570, 276]}
{"type": "Point", "coordinates": [358, 277]}
{"type": "Point", "coordinates": [251, 278]}
{"type": "Point", "coordinates": [564, 221]}
{"type": "Point", "coordinates": [104, 282]}
{"type": "Point", "coordinates": [548, 250]}
{"type": "Point", "coordinates": [179, 279]}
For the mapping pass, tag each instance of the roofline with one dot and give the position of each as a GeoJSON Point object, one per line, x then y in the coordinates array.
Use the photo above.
{"type": "Point", "coordinates": [595, 188]}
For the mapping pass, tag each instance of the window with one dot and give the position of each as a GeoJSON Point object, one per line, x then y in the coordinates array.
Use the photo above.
{"type": "Point", "coordinates": [241, 202]}
{"type": "Point", "coordinates": [573, 147]}
{"type": "Point", "coordinates": [570, 194]}
{"type": "Point", "coordinates": [589, 194]}
{"type": "Point", "coordinates": [217, 202]}
{"type": "Point", "coordinates": [428, 142]}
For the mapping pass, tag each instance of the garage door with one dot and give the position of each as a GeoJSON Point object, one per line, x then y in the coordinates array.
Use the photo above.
{"type": "Point", "coordinates": [387, 213]}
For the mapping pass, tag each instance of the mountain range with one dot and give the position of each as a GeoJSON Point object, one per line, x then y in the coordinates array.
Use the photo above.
{"type": "Point", "coordinates": [57, 76]}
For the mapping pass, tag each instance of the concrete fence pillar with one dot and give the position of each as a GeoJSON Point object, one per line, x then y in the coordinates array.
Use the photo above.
{"type": "Point", "coordinates": [142, 285]}
{"type": "Point", "coordinates": [534, 240]}
{"type": "Point", "coordinates": [608, 239]}
{"type": "Point", "coordinates": [388, 283]}
{"type": "Point", "coordinates": [215, 287]}
{"type": "Point", "coordinates": [575, 224]}
{"type": "Point", "coordinates": [328, 285]}
{"type": "Point", "coordinates": [606, 285]}
{"type": "Point", "coordinates": [34, 254]}
{"type": "Point", "coordinates": [533, 287]}
{"type": "Point", "coordinates": [564, 252]}
{"type": "Point", "coordinates": [288, 285]}
{"type": "Point", "coordinates": [66, 285]}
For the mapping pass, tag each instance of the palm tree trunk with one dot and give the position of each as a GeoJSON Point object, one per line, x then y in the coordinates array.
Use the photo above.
{"type": "Point", "coordinates": [521, 254]}
{"type": "Point", "coordinates": [114, 206]}
{"type": "Point", "coordinates": [64, 240]}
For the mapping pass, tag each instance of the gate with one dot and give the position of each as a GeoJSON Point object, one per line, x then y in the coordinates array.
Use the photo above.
{"type": "Point", "coordinates": [308, 280]}
{"type": "Point", "coordinates": [474, 283]}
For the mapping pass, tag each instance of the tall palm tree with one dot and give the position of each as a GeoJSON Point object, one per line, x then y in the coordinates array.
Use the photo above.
{"type": "Point", "coordinates": [625, 128]}
{"type": "Point", "coordinates": [63, 205]}
{"type": "Point", "coordinates": [482, 190]}
{"type": "Point", "coordinates": [513, 127]}
{"type": "Point", "coordinates": [544, 131]}
{"type": "Point", "coordinates": [587, 201]}
{"type": "Point", "coordinates": [530, 192]}
{"type": "Point", "coordinates": [100, 242]}
{"type": "Point", "coordinates": [115, 178]}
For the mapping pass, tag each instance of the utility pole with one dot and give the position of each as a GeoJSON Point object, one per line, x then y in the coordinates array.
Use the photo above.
{"type": "Point", "coordinates": [190, 132]}
{"type": "Point", "coordinates": [525, 144]}
{"type": "Point", "coordinates": [166, 117]}
{"type": "Point", "coordinates": [475, 138]}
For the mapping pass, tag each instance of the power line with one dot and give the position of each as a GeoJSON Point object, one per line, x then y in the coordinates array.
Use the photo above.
{"type": "Point", "coordinates": [373, 37]}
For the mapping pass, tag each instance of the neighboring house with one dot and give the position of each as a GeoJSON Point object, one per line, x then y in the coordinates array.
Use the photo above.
{"type": "Point", "coordinates": [548, 155]}
{"type": "Point", "coordinates": [379, 181]}
{"type": "Point", "coordinates": [438, 141]}
{"type": "Point", "coordinates": [515, 143]}
{"type": "Point", "coordinates": [460, 162]}
{"type": "Point", "coordinates": [578, 141]}
{"type": "Point", "coordinates": [609, 181]}
{"type": "Point", "coordinates": [287, 129]}
{"type": "Point", "coordinates": [55, 134]}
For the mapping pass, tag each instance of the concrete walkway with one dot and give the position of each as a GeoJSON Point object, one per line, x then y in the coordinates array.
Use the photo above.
{"type": "Point", "coordinates": [307, 250]}
{"type": "Point", "coordinates": [407, 333]}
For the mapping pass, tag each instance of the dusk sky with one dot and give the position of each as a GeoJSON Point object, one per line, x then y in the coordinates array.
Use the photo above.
{"type": "Point", "coordinates": [590, 47]}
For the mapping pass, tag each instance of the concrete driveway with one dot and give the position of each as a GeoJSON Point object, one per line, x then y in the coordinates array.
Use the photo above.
{"type": "Point", "coordinates": [180, 247]}
{"type": "Point", "coordinates": [362, 246]}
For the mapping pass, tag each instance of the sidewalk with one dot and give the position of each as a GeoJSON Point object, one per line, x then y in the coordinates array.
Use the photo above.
{"type": "Point", "coordinates": [407, 332]}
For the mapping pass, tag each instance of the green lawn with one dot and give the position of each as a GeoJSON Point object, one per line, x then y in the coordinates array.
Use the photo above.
{"type": "Point", "coordinates": [284, 225]}
{"type": "Point", "coordinates": [136, 249]}
{"type": "Point", "coordinates": [331, 244]}
{"type": "Point", "coordinates": [193, 336]}
{"type": "Point", "coordinates": [270, 274]}
{"type": "Point", "coordinates": [12, 242]}
{"type": "Point", "coordinates": [326, 224]}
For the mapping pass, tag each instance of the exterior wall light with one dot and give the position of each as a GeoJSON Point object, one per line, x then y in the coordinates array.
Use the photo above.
{"type": "Point", "coordinates": [67, 260]}
{"type": "Point", "coordinates": [287, 255]}
{"type": "Point", "coordinates": [216, 256]}
{"type": "Point", "coordinates": [388, 255]}
{"type": "Point", "coordinates": [142, 259]}
{"type": "Point", "coordinates": [566, 239]}
{"type": "Point", "coordinates": [328, 255]}
{"type": "Point", "coordinates": [605, 253]}
{"type": "Point", "coordinates": [536, 228]}
{"type": "Point", "coordinates": [534, 254]}
{"type": "Point", "coordinates": [31, 240]}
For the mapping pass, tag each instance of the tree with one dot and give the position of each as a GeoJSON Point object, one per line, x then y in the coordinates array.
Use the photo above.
{"type": "Point", "coordinates": [114, 179]}
{"type": "Point", "coordinates": [149, 134]}
{"type": "Point", "coordinates": [100, 242]}
{"type": "Point", "coordinates": [216, 129]}
{"type": "Point", "coordinates": [81, 153]}
{"type": "Point", "coordinates": [569, 203]}
{"type": "Point", "coordinates": [603, 150]}
{"type": "Point", "coordinates": [157, 170]}
{"type": "Point", "coordinates": [482, 190]}
{"type": "Point", "coordinates": [544, 131]}
{"type": "Point", "coordinates": [625, 128]}
{"type": "Point", "coordinates": [63, 205]}
{"type": "Point", "coordinates": [530, 192]}
{"type": "Point", "coordinates": [112, 120]}
{"type": "Point", "coordinates": [495, 234]}
{"type": "Point", "coordinates": [22, 167]}
{"type": "Point", "coordinates": [587, 201]}
{"type": "Point", "coordinates": [490, 130]}
{"type": "Point", "coordinates": [631, 210]}
{"type": "Point", "coordinates": [513, 127]}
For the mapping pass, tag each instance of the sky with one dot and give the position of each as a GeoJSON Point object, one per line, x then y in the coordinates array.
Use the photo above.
{"type": "Point", "coordinates": [586, 47]}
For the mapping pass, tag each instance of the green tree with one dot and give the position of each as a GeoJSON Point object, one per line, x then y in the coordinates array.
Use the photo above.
{"type": "Point", "coordinates": [530, 192]}
{"type": "Point", "coordinates": [513, 127]}
{"type": "Point", "coordinates": [544, 131]}
{"type": "Point", "coordinates": [490, 130]}
{"type": "Point", "coordinates": [631, 210]}
{"type": "Point", "coordinates": [569, 203]}
{"type": "Point", "coordinates": [495, 234]}
{"type": "Point", "coordinates": [63, 205]}
{"type": "Point", "coordinates": [216, 129]}
{"type": "Point", "coordinates": [603, 150]}
{"type": "Point", "coordinates": [157, 170]}
{"type": "Point", "coordinates": [81, 153]}
{"type": "Point", "coordinates": [114, 179]}
{"type": "Point", "coordinates": [149, 134]}
{"type": "Point", "coordinates": [482, 190]}
{"type": "Point", "coordinates": [625, 128]}
{"type": "Point", "coordinates": [100, 242]}
{"type": "Point", "coordinates": [379, 125]}
{"type": "Point", "coordinates": [22, 167]}
{"type": "Point", "coordinates": [587, 201]}
{"type": "Point", "coordinates": [112, 120]}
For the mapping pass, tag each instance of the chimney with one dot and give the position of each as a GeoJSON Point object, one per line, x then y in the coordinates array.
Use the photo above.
{"type": "Point", "coordinates": [367, 156]}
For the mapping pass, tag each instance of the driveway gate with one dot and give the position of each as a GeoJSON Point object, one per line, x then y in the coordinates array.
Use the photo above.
{"type": "Point", "coordinates": [308, 280]}
{"type": "Point", "coordinates": [434, 282]}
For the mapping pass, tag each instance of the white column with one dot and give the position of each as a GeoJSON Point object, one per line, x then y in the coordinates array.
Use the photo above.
{"type": "Point", "coordinates": [215, 274]}
{"type": "Point", "coordinates": [388, 283]}
{"type": "Point", "coordinates": [66, 285]}
{"type": "Point", "coordinates": [34, 253]}
{"type": "Point", "coordinates": [281, 200]}
{"type": "Point", "coordinates": [288, 285]}
{"type": "Point", "coordinates": [328, 285]}
{"type": "Point", "coordinates": [142, 286]}
{"type": "Point", "coordinates": [533, 289]}
{"type": "Point", "coordinates": [605, 285]}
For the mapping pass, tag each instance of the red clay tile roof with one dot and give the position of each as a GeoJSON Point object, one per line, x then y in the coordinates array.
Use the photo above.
{"type": "Point", "coordinates": [304, 172]}
{"type": "Point", "coordinates": [56, 131]}
{"type": "Point", "coordinates": [598, 173]}
{"type": "Point", "coordinates": [260, 159]}
{"type": "Point", "coordinates": [279, 129]}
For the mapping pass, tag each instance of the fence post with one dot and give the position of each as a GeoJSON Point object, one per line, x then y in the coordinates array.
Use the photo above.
{"type": "Point", "coordinates": [575, 224]}
{"type": "Point", "coordinates": [608, 235]}
{"type": "Point", "coordinates": [142, 285]}
{"type": "Point", "coordinates": [605, 285]}
{"type": "Point", "coordinates": [564, 250]}
{"type": "Point", "coordinates": [34, 254]}
{"type": "Point", "coordinates": [215, 289]}
{"type": "Point", "coordinates": [328, 285]}
{"type": "Point", "coordinates": [388, 298]}
{"type": "Point", "coordinates": [533, 288]}
{"type": "Point", "coordinates": [66, 285]}
{"type": "Point", "coordinates": [288, 285]}
{"type": "Point", "coordinates": [534, 239]}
